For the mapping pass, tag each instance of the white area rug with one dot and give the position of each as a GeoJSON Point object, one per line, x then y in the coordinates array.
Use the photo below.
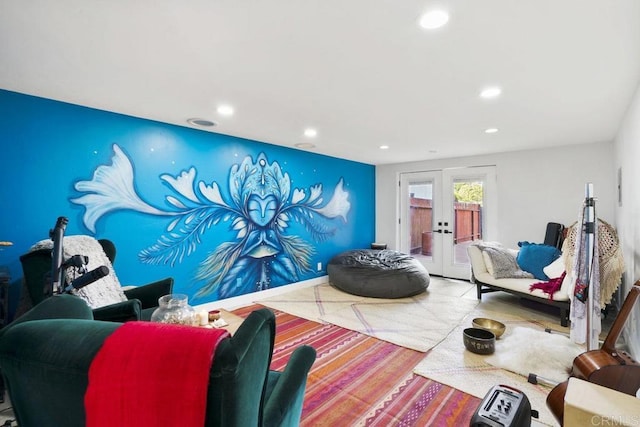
{"type": "Point", "coordinates": [527, 350]}
{"type": "Point", "coordinates": [419, 322]}
{"type": "Point", "coordinates": [451, 364]}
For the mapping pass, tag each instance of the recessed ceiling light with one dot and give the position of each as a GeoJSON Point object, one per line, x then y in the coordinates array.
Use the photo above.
{"type": "Point", "coordinates": [225, 110]}
{"type": "Point", "coordinates": [201, 122]}
{"type": "Point", "coordinates": [434, 19]}
{"type": "Point", "coordinates": [310, 133]}
{"type": "Point", "coordinates": [384, 147]}
{"type": "Point", "coordinates": [490, 92]}
{"type": "Point", "coordinates": [305, 145]}
{"type": "Point", "coordinates": [491, 130]}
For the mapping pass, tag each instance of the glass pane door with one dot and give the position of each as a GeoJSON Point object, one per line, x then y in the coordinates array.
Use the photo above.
{"type": "Point", "coordinates": [421, 217]}
{"type": "Point", "coordinates": [468, 192]}
{"type": "Point", "coordinates": [442, 213]}
{"type": "Point", "coordinates": [419, 206]}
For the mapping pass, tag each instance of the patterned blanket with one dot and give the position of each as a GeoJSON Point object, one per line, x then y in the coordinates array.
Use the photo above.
{"type": "Point", "coordinates": [503, 262]}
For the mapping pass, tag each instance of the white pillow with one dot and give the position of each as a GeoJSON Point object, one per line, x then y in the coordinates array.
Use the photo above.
{"type": "Point", "coordinates": [567, 286]}
{"type": "Point", "coordinates": [488, 263]}
{"type": "Point", "coordinates": [555, 269]}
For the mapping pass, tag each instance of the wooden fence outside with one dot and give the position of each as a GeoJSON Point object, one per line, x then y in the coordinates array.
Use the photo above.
{"type": "Point", "coordinates": [467, 224]}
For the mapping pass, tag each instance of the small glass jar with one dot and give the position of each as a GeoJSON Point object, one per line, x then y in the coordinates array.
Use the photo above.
{"type": "Point", "coordinates": [175, 309]}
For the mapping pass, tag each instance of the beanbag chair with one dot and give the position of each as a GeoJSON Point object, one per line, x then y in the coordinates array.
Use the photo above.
{"type": "Point", "coordinates": [378, 273]}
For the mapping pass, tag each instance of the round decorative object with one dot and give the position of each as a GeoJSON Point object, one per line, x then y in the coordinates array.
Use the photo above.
{"type": "Point", "coordinates": [175, 309]}
{"type": "Point", "coordinates": [490, 325]}
{"type": "Point", "coordinates": [479, 341]}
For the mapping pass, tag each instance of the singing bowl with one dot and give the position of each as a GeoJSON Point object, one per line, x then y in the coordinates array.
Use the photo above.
{"type": "Point", "coordinates": [479, 341]}
{"type": "Point", "coordinates": [490, 325]}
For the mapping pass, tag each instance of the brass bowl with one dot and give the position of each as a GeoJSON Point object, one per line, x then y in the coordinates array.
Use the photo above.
{"type": "Point", "coordinates": [490, 325]}
{"type": "Point", "coordinates": [479, 341]}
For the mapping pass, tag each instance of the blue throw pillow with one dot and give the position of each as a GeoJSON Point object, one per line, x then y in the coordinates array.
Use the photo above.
{"type": "Point", "coordinates": [533, 257]}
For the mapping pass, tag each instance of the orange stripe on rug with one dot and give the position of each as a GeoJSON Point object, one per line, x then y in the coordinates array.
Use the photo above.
{"type": "Point", "coordinates": [360, 380]}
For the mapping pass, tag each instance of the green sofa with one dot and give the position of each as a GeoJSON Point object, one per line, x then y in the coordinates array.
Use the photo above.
{"type": "Point", "coordinates": [45, 364]}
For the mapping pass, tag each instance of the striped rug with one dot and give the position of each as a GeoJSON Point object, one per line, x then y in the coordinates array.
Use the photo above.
{"type": "Point", "coordinates": [358, 380]}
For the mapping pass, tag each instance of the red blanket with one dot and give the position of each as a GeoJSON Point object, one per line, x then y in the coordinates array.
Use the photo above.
{"type": "Point", "coordinates": [151, 374]}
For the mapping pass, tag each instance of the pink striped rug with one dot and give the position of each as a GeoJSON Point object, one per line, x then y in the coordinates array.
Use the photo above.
{"type": "Point", "coordinates": [360, 380]}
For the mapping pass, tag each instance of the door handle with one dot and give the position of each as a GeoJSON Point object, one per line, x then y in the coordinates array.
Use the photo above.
{"type": "Point", "coordinates": [447, 232]}
{"type": "Point", "coordinates": [437, 231]}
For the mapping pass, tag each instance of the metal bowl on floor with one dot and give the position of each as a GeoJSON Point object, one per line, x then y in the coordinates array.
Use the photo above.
{"type": "Point", "coordinates": [479, 341]}
{"type": "Point", "coordinates": [490, 325]}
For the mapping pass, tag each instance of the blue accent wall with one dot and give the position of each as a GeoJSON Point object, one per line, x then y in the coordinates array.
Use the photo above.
{"type": "Point", "coordinates": [176, 201]}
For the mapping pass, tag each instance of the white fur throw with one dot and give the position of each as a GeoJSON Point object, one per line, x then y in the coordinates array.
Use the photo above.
{"type": "Point", "coordinates": [102, 292]}
{"type": "Point", "coordinates": [528, 351]}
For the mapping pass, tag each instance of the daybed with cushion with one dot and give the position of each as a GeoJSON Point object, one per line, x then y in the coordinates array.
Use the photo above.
{"type": "Point", "coordinates": [494, 268]}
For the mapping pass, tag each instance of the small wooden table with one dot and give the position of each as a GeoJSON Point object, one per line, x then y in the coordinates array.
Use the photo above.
{"type": "Point", "coordinates": [233, 320]}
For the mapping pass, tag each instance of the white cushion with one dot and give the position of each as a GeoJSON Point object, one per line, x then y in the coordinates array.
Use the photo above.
{"type": "Point", "coordinates": [478, 265]}
{"type": "Point", "coordinates": [488, 263]}
{"type": "Point", "coordinates": [555, 269]}
{"type": "Point", "coordinates": [566, 290]}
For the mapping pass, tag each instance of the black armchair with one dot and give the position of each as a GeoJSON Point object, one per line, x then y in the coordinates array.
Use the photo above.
{"type": "Point", "coordinates": [141, 300]}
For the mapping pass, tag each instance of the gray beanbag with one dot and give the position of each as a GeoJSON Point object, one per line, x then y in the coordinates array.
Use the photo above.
{"type": "Point", "coordinates": [378, 273]}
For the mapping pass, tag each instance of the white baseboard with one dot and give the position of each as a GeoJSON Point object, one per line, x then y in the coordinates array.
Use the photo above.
{"type": "Point", "coordinates": [247, 299]}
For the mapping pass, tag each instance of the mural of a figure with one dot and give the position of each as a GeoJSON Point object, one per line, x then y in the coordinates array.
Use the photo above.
{"type": "Point", "coordinates": [260, 210]}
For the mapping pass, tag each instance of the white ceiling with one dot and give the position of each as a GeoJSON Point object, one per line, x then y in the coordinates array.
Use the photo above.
{"type": "Point", "coordinates": [360, 71]}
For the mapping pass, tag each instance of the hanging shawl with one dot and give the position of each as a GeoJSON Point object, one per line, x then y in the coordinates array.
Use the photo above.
{"type": "Point", "coordinates": [610, 258]}
{"type": "Point", "coordinates": [580, 278]}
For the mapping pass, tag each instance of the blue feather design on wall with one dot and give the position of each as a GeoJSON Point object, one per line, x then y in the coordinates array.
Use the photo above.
{"type": "Point", "coordinates": [259, 211]}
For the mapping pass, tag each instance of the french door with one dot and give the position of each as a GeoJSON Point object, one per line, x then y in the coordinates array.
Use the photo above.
{"type": "Point", "coordinates": [444, 211]}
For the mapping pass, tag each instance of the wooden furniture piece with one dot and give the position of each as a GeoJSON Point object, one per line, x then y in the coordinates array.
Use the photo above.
{"type": "Point", "coordinates": [607, 366]}
{"type": "Point", "coordinates": [233, 320]}
{"type": "Point", "coordinates": [586, 403]}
